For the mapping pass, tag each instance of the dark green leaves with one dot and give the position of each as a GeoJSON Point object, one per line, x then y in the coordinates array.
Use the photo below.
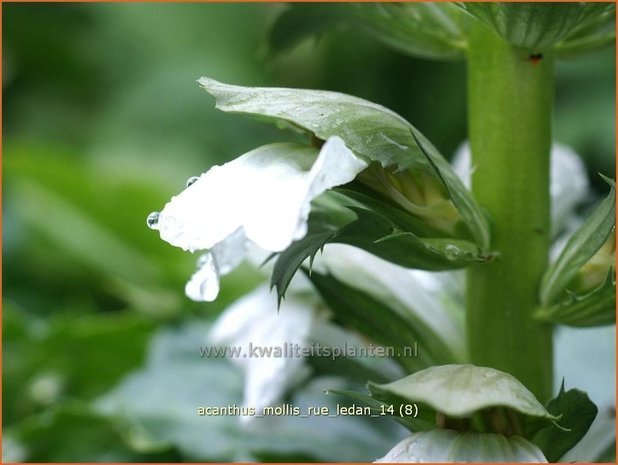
{"type": "Point", "coordinates": [576, 412]}
{"type": "Point", "coordinates": [377, 234]}
{"type": "Point", "coordinates": [590, 35]}
{"type": "Point", "coordinates": [428, 30]}
{"type": "Point", "coordinates": [389, 324]}
{"type": "Point", "coordinates": [536, 26]}
{"type": "Point", "coordinates": [581, 247]}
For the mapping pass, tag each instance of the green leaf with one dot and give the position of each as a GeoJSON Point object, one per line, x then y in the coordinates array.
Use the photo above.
{"type": "Point", "coordinates": [357, 369]}
{"type": "Point", "coordinates": [301, 21]}
{"type": "Point", "coordinates": [156, 406]}
{"type": "Point", "coordinates": [104, 250]}
{"type": "Point", "coordinates": [369, 130]}
{"type": "Point", "coordinates": [290, 260]}
{"type": "Point", "coordinates": [428, 30]}
{"type": "Point", "coordinates": [461, 390]}
{"type": "Point", "coordinates": [597, 308]}
{"type": "Point", "coordinates": [378, 235]}
{"type": "Point", "coordinates": [388, 324]}
{"type": "Point", "coordinates": [444, 446]}
{"type": "Point", "coordinates": [71, 432]}
{"type": "Point", "coordinates": [599, 32]}
{"type": "Point", "coordinates": [36, 378]}
{"type": "Point", "coordinates": [343, 217]}
{"type": "Point", "coordinates": [535, 26]}
{"type": "Point", "coordinates": [584, 243]}
{"type": "Point", "coordinates": [576, 412]}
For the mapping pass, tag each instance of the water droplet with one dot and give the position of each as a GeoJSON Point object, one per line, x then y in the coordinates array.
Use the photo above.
{"type": "Point", "coordinates": [192, 180]}
{"type": "Point", "coordinates": [452, 252]}
{"type": "Point", "coordinates": [153, 220]}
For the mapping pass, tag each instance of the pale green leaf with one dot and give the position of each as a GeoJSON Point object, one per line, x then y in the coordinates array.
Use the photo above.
{"type": "Point", "coordinates": [461, 390]}
{"type": "Point", "coordinates": [443, 445]}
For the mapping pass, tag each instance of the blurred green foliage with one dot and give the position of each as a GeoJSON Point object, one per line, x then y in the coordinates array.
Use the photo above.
{"type": "Point", "coordinates": [103, 121]}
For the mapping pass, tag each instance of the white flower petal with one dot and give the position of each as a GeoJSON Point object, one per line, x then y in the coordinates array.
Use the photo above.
{"type": "Point", "coordinates": [569, 181]}
{"type": "Point", "coordinates": [220, 260]}
{"type": "Point", "coordinates": [254, 321]}
{"type": "Point", "coordinates": [266, 192]}
{"type": "Point", "coordinates": [204, 284]}
{"type": "Point", "coordinates": [456, 446]}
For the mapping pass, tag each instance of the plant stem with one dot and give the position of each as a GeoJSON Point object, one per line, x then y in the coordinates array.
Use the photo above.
{"type": "Point", "coordinates": [510, 98]}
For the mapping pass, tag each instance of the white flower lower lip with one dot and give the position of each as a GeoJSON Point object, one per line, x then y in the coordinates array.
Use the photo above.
{"type": "Point", "coordinates": [262, 197]}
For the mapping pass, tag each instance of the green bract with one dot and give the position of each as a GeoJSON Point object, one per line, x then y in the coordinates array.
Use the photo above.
{"type": "Point", "coordinates": [461, 390]}
{"type": "Point", "coordinates": [536, 26]}
{"type": "Point", "coordinates": [584, 243]}
{"type": "Point", "coordinates": [595, 308]}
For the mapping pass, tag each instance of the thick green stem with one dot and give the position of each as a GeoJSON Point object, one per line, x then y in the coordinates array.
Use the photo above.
{"type": "Point", "coordinates": [510, 97]}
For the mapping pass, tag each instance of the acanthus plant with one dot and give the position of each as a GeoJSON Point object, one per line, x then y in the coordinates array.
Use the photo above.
{"type": "Point", "coordinates": [381, 203]}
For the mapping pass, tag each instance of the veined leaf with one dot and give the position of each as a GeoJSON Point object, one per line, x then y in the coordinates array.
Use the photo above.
{"type": "Point", "coordinates": [378, 235]}
{"type": "Point", "coordinates": [576, 412]}
{"type": "Point", "coordinates": [369, 130]}
{"type": "Point", "coordinates": [301, 21]}
{"type": "Point", "coordinates": [535, 25]}
{"type": "Point", "coordinates": [584, 243]}
{"type": "Point", "coordinates": [597, 308]}
{"type": "Point", "coordinates": [428, 30]}
{"type": "Point", "coordinates": [592, 35]}
{"type": "Point", "coordinates": [461, 390]}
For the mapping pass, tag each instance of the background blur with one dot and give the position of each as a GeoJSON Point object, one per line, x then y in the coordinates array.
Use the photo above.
{"type": "Point", "coordinates": [102, 122]}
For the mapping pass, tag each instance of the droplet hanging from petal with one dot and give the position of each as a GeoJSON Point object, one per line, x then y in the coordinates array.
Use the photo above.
{"type": "Point", "coordinates": [153, 220]}
{"type": "Point", "coordinates": [192, 180]}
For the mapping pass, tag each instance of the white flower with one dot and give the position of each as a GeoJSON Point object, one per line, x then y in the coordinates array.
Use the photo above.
{"type": "Point", "coordinates": [568, 180]}
{"type": "Point", "coordinates": [444, 445]}
{"type": "Point", "coordinates": [262, 197]}
{"type": "Point", "coordinates": [254, 324]}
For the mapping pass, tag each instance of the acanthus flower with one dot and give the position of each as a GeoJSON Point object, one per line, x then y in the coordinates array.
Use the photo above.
{"type": "Point", "coordinates": [261, 198]}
